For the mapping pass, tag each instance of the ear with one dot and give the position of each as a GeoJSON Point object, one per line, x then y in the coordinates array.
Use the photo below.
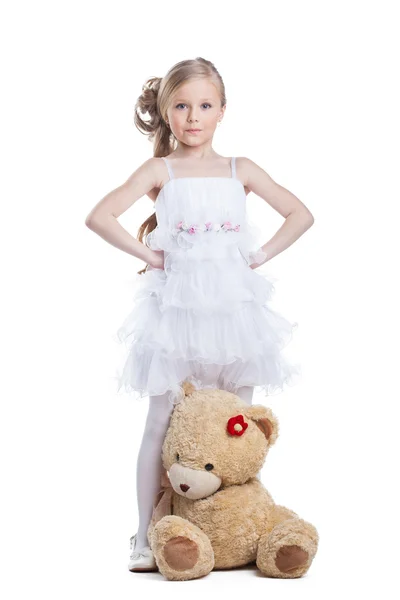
{"type": "Point", "coordinates": [188, 387]}
{"type": "Point", "coordinates": [265, 420]}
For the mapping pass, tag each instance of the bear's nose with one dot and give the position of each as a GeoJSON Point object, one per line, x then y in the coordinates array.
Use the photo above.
{"type": "Point", "coordinates": [184, 487]}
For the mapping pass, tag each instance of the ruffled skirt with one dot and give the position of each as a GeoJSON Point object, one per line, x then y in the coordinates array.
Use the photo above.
{"type": "Point", "coordinates": [202, 317]}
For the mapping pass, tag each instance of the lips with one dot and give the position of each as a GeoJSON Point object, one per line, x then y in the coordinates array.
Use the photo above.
{"type": "Point", "coordinates": [193, 130]}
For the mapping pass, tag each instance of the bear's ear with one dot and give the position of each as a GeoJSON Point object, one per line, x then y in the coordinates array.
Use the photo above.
{"type": "Point", "coordinates": [265, 420]}
{"type": "Point", "coordinates": [188, 387]}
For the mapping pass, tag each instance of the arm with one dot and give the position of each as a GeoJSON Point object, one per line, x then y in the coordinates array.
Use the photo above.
{"type": "Point", "coordinates": [153, 193]}
{"type": "Point", "coordinates": [103, 218]}
{"type": "Point", "coordinates": [297, 216]}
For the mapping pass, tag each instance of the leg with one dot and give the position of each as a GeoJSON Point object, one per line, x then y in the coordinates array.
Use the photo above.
{"type": "Point", "coordinates": [245, 393]}
{"type": "Point", "coordinates": [149, 464]}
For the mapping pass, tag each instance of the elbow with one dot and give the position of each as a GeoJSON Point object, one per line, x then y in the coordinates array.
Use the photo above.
{"type": "Point", "coordinates": [95, 222]}
{"type": "Point", "coordinates": [305, 217]}
{"type": "Point", "coordinates": [89, 222]}
{"type": "Point", "coordinates": [309, 218]}
{"type": "Point", "coordinates": [92, 220]}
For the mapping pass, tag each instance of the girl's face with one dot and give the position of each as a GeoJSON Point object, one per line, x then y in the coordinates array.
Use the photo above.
{"type": "Point", "coordinates": [195, 105]}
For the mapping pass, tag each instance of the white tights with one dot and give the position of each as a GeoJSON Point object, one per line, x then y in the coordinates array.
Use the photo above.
{"type": "Point", "coordinates": [149, 463]}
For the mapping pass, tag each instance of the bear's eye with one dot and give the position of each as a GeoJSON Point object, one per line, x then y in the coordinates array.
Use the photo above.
{"type": "Point", "coordinates": [177, 457]}
{"type": "Point", "coordinates": [209, 467]}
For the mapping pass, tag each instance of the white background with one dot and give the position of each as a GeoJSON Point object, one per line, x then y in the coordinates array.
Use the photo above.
{"type": "Point", "coordinates": [311, 98]}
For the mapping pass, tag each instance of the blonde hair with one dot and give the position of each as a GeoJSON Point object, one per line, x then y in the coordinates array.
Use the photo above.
{"type": "Point", "coordinates": [155, 100]}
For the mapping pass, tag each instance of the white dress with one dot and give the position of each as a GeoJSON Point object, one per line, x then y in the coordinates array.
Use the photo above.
{"type": "Point", "coordinates": [207, 310]}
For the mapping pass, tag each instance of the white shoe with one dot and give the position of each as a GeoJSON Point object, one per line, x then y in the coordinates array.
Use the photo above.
{"type": "Point", "coordinates": [142, 560]}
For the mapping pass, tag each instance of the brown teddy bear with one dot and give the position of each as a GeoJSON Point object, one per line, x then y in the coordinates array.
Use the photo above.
{"type": "Point", "coordinates": [213, 512]}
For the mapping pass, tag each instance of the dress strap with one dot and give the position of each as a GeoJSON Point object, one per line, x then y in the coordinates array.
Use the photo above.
{"type": "Point", "coordinates": [170, 172]}
{"type": "Point", "coordinates": [233, 166]}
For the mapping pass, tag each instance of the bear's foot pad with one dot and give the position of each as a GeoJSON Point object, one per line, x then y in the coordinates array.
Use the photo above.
{"type": "Point", "coordinates": [289, 558]}
{"type": "Point", "coordinates": [181, 553]}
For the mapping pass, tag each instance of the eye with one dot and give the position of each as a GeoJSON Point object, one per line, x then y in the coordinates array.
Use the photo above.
{"type": "Point", "coordinates": [209, 467]}
{"type": "Point", "coordinates": [182, 104]}
{"type": "Point", "coordinates": [177, 457]}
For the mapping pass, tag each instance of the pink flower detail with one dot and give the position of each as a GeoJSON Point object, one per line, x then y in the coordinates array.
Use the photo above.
{"type": "Point", "coordinates": [208, 226]}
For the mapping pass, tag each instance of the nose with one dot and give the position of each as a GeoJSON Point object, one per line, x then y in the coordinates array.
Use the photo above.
{"type": "Point", "coordinates": [184, 487]}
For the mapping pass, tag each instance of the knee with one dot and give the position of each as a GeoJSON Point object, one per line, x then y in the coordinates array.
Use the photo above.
{"type": "Point", "coordinates": [157, 423]}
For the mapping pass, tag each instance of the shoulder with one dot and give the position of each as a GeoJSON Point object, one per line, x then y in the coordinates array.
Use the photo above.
{"type": "Point", "coordinates": [147, 178]}
{"type": "Point", "coordinates": [154, 165]}
{"type": "Point", "coordinates": [250, 173]}
{"type": "Point", "coordinates": [245, 168]}
{"type": "Point", "coordinates": [153, 171]}
{"type": "Point", "coordinates": [161, 171]}
{"type": "Point", "coordinates": [245, 165]}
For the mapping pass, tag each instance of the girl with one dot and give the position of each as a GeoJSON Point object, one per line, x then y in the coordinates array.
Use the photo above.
{"type": "Point", "coordinates": [200, 309]}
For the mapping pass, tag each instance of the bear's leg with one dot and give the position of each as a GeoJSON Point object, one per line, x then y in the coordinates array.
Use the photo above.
{"type": "Point", "coordinates": [288, 550]}
{"type": "Point", "coordinates": [182, 551]}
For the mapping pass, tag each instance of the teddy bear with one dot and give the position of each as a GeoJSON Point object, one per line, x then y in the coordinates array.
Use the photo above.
{"type": "Point", "coordinates": [213, 512]}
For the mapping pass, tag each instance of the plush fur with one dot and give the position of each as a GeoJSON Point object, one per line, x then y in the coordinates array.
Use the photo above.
{"type": "Point", "coordinates": [213, 512]}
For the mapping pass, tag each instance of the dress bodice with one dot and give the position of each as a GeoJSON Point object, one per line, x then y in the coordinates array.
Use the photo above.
{"type": "Point", "coordinates": [204, 217]}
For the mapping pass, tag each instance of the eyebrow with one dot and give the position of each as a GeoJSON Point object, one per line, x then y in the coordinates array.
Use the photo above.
{"type": "Point", "coordinates": [183, 100]}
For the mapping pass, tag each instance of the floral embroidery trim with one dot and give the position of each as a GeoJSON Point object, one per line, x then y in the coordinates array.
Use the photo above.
{"type": "Point", "coordinates": [192, 229]}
